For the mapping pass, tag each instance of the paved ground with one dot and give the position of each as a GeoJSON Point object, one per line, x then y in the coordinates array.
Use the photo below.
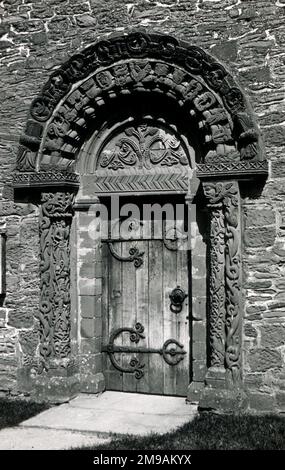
{"type": "Point", "coordinates": [89, 419]}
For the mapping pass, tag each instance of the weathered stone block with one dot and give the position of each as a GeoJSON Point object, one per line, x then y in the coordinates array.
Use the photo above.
{"type": "Point", "coordinates": [250, 331]}
{"type": "Point", "coordinates": [39, 38]}
{"type": "Point", "coordinates": [20, 318]}
{"type": "Point", "coordinates": [91, 363]}
{"type": "Point", "coordinates": [256, 75]}
{"type": "Point", "coordinates": [87, 306]}
{"type": "Point", "coordinates": [199, 333]}
{"type": "Point", "coordinates": [199, 287]}
{"type": "Point", "coordinates": [253, 381]}
{"type": "Point", "coordinates": [10, 208]}
{"type": "Point", "coordinates": [87, 328]}
{"type": "Point", "coordinates": [90, 286]}
{"type": "Point", "coordinates": [226, 50]}
{"type": "Point", "coordinates": [255, 308]}
{"type": "Point", "coordinates": [272, 336]}
{"type": "Point", "coordinates": [278, 168]}
{"type": "Point", "coordinates": [198, 266]}
{"type": "Point", "coordinates": [29, 341]}
{"type": "Point", "coordinates": [259, 238]}
{"type": "Point", "coordinates": [274, 135]}
{"type": "Point", "coordinates": [3, 316]}
{"type": "Point", "coordinates": [258, 284]}
{"type": "Point", "coordinates": [85, 21]}
{"type": "Point", "coordinates": [199, 308]}
{"type": "Point", "coordinates": [92, 383]}
{"type": "Point", "coordinates": [199, 370]}
{"type": "Point", "coordinates": [261, 401]}
{"type": "Point", "coordinates": [199, 350]}
{"type": "Point", "coordinates": [280, 400]}
{"type": "Point", "coordinates": [91, 345]}
{"type": "Point", "coordinates": [87, 270]}
{"type": "Point", "coordinates": [263, 359]}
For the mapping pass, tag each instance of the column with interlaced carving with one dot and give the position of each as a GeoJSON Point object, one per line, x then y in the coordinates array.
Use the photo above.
{"type": "Point", "coordinates": [54, 311]}
{"type": "Point", "coordinates": [233, 284]}
{"type": "Point", "coordinates": [225, 313]}
{"type": "Point", "coordinates": [217, 297]}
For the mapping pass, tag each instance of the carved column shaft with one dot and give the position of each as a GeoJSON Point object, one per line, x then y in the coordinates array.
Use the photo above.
{"type": "Point", "coordinates": [225, 315]}
{"type": "Point", "coordinates": [54, 312]}
{"type": "Point", "coordinates": [233, 285]}
{"type": "Point", "coordinates": [217, 286]}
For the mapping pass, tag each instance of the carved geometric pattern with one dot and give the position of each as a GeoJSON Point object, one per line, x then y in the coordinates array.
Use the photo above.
{"type": "Point", "coordinates": [45, 179]}
{"type": "Point", "coordinates": [142, 182]}
{"type": "Point", "coordinates": [138, 61]}
{"type": "Point", "coordinates": [236, 169]}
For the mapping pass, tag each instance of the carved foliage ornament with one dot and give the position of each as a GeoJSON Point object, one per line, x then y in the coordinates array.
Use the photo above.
{"type": "Point", "coordinates": [217, 286]}
{"type": "Point", "coordinates": [225, 278]}
{"type": "Point", "coordinates": [54, 311]}
{"type": "Point", "coordinates": [142, 146]}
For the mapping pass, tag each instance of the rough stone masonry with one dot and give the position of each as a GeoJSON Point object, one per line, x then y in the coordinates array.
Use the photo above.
{"type": "Point", "coordinates": [248, 38]}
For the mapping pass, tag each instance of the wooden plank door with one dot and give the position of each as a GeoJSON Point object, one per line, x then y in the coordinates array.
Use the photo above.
{"type": "Point", "coordinates": [140, 325]}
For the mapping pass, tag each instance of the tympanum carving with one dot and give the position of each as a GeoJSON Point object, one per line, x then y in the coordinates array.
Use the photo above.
{"type": "Point", "coordinates": [142, 146]}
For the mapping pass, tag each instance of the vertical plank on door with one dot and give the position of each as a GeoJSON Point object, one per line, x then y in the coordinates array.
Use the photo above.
{"type": "Point", "coordinates": [115, 312]}
{"type": "Point", "coordinates": [128, 313]}
{"type": "Point", "coordinates": [170, 321]}
{"type": "Point", "coordinates": [142, 308]}
{"type": "Point", "coordinates": [155, 333]}
{"type": "Point", "coordinates": [182, 368]}
{"type": "Point", "coordinates": [105, 308]}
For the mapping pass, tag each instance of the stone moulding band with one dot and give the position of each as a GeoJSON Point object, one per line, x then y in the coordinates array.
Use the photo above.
{"type": "Point", "coordinates": [44, 179]}
{"type": "Point", "coordinates": [227, 170]}
{"type": "Point", "coordinates": [234, 170]}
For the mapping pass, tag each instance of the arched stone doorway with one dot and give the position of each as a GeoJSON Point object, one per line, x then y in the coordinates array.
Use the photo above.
{"type": "Point", "coordinates": [84, 140]}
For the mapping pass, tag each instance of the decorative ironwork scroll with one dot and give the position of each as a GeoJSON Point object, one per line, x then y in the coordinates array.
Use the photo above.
{"type": "Point", "coordinates": [54, 311]}
{"type": "Point", "coordinates": [225, 277]}
{"type": "Point", "coordinates": [172, 355]}
{"type": "Point", "coordinates": [136, 255]}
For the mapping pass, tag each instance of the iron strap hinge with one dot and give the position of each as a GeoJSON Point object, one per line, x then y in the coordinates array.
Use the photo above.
{"type": "Point", "coordinates": [172, 355]}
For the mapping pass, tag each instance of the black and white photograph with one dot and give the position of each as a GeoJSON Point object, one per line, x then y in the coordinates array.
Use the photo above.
{"type": "Point", "coordinates": [142, 231]}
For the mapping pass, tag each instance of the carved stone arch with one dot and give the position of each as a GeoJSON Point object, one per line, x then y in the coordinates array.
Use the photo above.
{"type": "Point", "coordinates": [131, 63]}
{"type": "Point", "coordinates": [68, 112]}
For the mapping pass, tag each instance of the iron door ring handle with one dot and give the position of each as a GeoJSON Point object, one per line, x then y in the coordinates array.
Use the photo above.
{"type": "Point", "coordinates": [177, 297]}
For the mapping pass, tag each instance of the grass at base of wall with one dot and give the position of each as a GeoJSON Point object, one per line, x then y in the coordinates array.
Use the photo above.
{"type": "Point", "coordinates": [13, 411]}
{"type": "Point", "coordinates": [209, 431]}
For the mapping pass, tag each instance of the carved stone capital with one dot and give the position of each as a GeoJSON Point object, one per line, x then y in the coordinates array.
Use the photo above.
{"type": "Point", "coordinates": [216, 191]}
